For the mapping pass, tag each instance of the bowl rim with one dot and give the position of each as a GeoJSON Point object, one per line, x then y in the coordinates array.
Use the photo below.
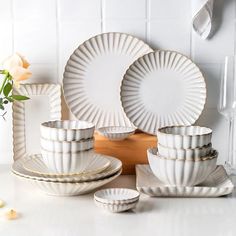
{"type": "Point", "coordinates": [209, 145]}
{"type": "Point", "coordinates": [47, 124]}
{"type": "Point", "coordinates": [106, 129]}
{"type": "Point", "coordinates": [161, 131]}
{"type": "Point", "coordinates": [87, 140]}
{"type": "Point", "coordinates": [214, 154]}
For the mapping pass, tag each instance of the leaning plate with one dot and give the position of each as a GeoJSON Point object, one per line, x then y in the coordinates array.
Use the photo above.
{"type": "Point", "coordinates": [163, 88]}
{"type": "Point", "coordinates": [71, 189]}
{"type": "Point", "coordinates": [93, 75]}
{"type": "Point", "coordinates": [83, 165]}
{"type": "Point", "coordinates": [217, 184]}
{"type": "Point", "coordinates": [18, 169]}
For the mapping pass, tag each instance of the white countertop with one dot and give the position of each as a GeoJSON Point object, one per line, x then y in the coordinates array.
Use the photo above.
{"type": "Point", "coordinates": [69, 216]}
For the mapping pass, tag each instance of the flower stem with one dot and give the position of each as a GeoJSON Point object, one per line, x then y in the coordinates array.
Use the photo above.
{"type": "Point", "coordinates": [3, 83]}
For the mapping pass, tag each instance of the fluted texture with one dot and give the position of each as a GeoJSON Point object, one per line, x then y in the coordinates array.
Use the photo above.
{"type": "Point", "coordinates": [116, 208]}
{"type": "Point", "coordinates": [163, 88]}
{"type": "Point", "coordinates": [184, 136]}
{"type": "Point", "coordinates": [71, 189]}
{"type": "Point", "coordinates": [18, 169]}
{"type": "Point", "coordinates": [93, 75]}
{"type": "Point", "coordinates": [116, 196]}
{"type": "Point", "coordinates": [84, 163]}
{"type": "Point", "coordinates": [177, 172]}
{"type": "Point", "coordinates": [216, 184]}
{"type": "Point", "coordinates": [54, 93]}
{"type": "Point", "coordinates": [67, 130]}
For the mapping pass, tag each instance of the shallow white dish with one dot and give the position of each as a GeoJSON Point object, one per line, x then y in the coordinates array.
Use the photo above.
{"type": "Point", "coordinates": [67, 130]}
{"type": "Point", "coordinates": [70, 189]}
{"type": "Point", "coordinates": [66, 146]}
{"type": "Point", "coordinates": [184, 154]}
{"type": "Point", "coordinates": [93, 75]}
{"type": "Point", "coordinates": [18, 169]}
{"type": "Point", "coordinates": [217, 184]}
{"type": "Point", "coordinates": [163, 88]}
{"type": "Point", "coordinates": [181, 172]}
{"type": "Point", "coordinates": [116, 208]}
{"type": "Point", "coordinates": [184, 136]}
{"type": "Point", "coordinates": [84, 163]}
{"type": "Point", "coordinates": [116, 133]}
{"type": "Point", "coordinates": [116, 196]}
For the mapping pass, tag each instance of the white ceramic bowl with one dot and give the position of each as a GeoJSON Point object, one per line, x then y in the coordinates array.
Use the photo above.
{"type": "Point", "coordinates": [184, 136]}
{"type": "Point", "coordinates": [181, 172]}
{"type": "Point", "coordinates": [116, 195]}
{"type": "Point", "coordinates": [67, 146]}
{"type": "Point", "coordinates": [184, 154]}
{"type": "Point", "coordinates": [116, 208]}
{"type": "Point", "coordinates": [67, 130]}
{"type": "Point", "coordinates": [116, 133]}
{"type": "Point", "coordinates": [81, 163]}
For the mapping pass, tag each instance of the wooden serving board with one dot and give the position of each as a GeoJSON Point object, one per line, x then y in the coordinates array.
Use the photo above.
{"type": "Point", "coordinates": [130, 151]}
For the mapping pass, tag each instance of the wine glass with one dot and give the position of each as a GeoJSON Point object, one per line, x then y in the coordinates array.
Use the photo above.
{"type": "Point", "coordinates": [227, 107]}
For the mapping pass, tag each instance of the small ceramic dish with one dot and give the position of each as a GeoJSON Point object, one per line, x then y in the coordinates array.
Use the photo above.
{"type": "Point", "coordinates": [116, 195]}
{"type": "Point", "coordinates": [184, 136]}
{"type": "Point", "coordinates": [177, 172]}
{"type": "Point", "coordinates": [116, 133]}
{"type": "Point", "coordinates": [67, 146]}
{"type": "Point", "coordinates": [184, 154]}
{"type": "Point", "coordinates": [116, 208]}
{"type": "Point", "coordinates": [67, 130]}
{"type": "Point", "coordinates": [84, 163]}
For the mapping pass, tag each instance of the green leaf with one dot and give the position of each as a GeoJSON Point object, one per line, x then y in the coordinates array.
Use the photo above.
{"type": "Point", "coordinates": [1, 107]}
{"type": "Point", "coordinates": [19, 97]}
{"type": "Point", "coordinates": [9, 99]}
{"type": "Point", "coordinates": [7, 89]}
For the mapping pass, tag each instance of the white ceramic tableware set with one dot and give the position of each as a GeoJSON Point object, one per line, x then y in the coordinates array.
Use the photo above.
{"type": "Point", "coordinates": [116, 199]}
{"type": "Point", "coordinates": [68, 164]}
{"type": "Point", "coordinates": [184, 156]}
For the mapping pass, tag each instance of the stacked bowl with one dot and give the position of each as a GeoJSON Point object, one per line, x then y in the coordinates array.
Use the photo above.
{"type": "Point", "coordinates": [68, 164]}
{"type": "Point", "coordinates": [184, 156]}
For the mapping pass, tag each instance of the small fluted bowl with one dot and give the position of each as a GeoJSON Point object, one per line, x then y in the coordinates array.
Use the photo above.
{"type": "Point", "coordinates": [177, 172]}
{"type": "Point", "coordinates": [67, 130]}
{"type": "Point", "coordinates": [66, 146]}
{"type": "Point", "coordinates": [184, 154]}
{"type": "Point", "coordinates": [184, 136]}
{"type": "Point", "coordinates": [116, 133]}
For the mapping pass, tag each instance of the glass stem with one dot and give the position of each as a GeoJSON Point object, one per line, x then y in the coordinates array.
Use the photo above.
{"type": "Point", "coordinates": [230, 161]}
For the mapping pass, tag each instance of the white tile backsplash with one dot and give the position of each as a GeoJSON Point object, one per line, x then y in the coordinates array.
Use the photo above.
{"type": "Point", "coordinates": [42, 10]}
{"type": "Point", "coordinates": [77, 9]}
{"type": "Point", "coordinates": [124, 9]}
{"type": "Point", "coordinates": [170, 34]}
{"type": "Point", "coordinates": [48, 31]}
{"type": "Point", "coordinates": [134, 27]}
{"type": "Point", "coordinates": [169, 9]}
{"type": "Point", "coordinates": [36, 40]}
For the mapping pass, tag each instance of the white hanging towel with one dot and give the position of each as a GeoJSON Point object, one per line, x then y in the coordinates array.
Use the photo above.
{"type": "Point", "coordinates": [202, 11]}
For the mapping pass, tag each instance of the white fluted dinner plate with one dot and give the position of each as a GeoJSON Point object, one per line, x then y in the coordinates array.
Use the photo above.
{"type": "Point", "coordinates": [163, 88]}
{"type": "Point", "coordinates": [71, 189]}
{"type": "Point", "coordinates": [92, 163]}
{"type": "Point", "coordinates": [93, 76]}
{"type": "Point", "coordinates": [18, 169]}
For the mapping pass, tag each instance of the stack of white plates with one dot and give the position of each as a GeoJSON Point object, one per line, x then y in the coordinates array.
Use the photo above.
{"type": "Point", "coordinates": [34, 169]}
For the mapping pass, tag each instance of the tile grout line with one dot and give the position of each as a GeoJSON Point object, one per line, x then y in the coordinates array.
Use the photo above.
{"type": "Point", "coordinates": [147, 31]}
{"type": "Point", "coordinates": [102, 5]}
{"type": "Point", "coordinates": [12, 27]}
{"type": "Point", "coordinates": [57, 43]}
